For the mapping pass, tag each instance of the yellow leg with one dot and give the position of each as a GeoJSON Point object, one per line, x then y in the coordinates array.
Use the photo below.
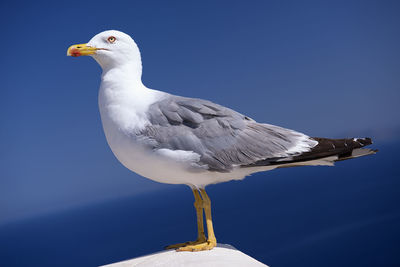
{"type": "Point", "coordinates": [198, 204]}
{"type": "Point", "coordinates": [201, 238]}
{"type": "Point", "coordinates": [211, 241]}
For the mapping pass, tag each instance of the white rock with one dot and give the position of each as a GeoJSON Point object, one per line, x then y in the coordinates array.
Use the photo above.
{"type": "Point", "coordinates": [222, 255]}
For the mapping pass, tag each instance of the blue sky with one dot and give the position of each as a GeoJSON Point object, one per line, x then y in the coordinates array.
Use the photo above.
{"type": "Point", "coordinates": [326, 68]}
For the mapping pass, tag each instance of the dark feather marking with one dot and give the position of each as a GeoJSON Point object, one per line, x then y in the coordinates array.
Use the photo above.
{"type": "Point", "coordinates": [326, 147]}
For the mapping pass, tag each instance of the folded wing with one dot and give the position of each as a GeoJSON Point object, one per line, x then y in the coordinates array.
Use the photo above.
{"type": "Point", "coordinates": [223, 138]}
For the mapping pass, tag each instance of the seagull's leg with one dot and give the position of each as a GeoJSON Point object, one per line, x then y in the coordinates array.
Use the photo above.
{"type": "Point", "coordinates": [201, 237]}
{"type": "Point", "coordinates": [211, 242]}
{"type": "Point", "coordinates": [199, 205]}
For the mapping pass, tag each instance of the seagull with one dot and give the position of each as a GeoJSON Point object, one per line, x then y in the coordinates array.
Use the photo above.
{"type": "Point", "coordinates": [179, 140]}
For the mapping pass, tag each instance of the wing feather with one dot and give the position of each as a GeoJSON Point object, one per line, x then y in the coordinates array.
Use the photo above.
{"type": "Point", "coordinates": [222, 137]}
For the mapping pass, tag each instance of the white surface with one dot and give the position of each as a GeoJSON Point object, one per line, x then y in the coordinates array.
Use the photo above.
{"type": "Point", "coordinates": [222, 255]}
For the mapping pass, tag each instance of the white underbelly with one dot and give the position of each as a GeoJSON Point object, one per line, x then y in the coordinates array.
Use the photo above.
{"type": "Point", "coordinates": [157, 167]}
{"type": "Point", "coordinates": [146, 162]}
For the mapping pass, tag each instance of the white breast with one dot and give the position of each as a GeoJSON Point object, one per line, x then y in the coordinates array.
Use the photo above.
{"type": "Point", "coordinates": [123, 114]}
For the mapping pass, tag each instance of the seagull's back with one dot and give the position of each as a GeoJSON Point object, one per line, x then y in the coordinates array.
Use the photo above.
{"type": "Point", "coordinates": [197, 142]}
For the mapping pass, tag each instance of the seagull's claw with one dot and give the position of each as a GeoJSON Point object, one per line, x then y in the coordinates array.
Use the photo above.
{"type": "Point", "coordinates": [189, 243]}
{"type": "Point", "coordinates": [207, 245]}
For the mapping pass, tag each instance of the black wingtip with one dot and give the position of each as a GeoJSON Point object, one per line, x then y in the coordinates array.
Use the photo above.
{"type": "Point", "coordinates": [364, 141]}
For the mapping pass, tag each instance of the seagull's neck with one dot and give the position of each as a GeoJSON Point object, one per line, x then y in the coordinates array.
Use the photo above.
{"type": "Point", "coordinates": [124, 99]}
{"type": "Point", "coordinates": [128, 72]}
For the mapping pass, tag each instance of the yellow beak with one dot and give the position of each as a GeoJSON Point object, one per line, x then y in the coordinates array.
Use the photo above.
{"type": "Point", "coordinates": [81, 50]}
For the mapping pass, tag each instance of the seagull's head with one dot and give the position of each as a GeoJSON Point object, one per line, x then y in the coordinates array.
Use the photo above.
{"type": "Point", "coordinates": [110, 49]}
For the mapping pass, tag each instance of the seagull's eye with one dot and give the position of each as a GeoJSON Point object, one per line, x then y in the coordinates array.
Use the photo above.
{"type": "Point", "coordinates": [111, 39]}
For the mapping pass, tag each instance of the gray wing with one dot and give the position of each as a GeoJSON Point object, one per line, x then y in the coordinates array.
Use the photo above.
{"type": "Point", "coordinates": [222, 137]}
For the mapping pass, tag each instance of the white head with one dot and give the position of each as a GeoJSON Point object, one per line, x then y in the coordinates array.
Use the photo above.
{"type": "Point", "coordinates": [111, 49]}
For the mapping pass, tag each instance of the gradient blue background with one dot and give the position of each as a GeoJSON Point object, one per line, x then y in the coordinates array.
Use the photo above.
{"type": "Point", "coordinates": [325, 68]}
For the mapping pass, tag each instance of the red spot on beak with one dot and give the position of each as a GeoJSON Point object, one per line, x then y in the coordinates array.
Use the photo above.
{"type": "Point", "coordinates": [75, 52]}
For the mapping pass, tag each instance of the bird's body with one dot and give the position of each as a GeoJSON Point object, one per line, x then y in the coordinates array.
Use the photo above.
{"type": "Point", "coordinates": [136, 151]}
{"type": "Point", "coordinates": [133, 121]}
{"type": "Point", "coordinates": [180, 140]}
